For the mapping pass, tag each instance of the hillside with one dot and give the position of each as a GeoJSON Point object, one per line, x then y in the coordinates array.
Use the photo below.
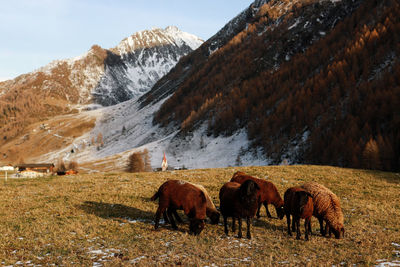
{"type": "Point", "coordinates": [100, 76]}
{"type": "Point", "coordinates": [107, 219]}
{"type": "Point", "coordinates": [309, 81]}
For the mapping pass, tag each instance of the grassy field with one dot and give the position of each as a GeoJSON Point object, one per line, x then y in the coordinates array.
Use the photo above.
{"type": "Point", "coordinates": [107, 219]}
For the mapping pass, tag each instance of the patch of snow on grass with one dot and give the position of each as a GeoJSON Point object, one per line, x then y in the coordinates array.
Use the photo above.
{"type": "Point", "coordinates": [136, 260]}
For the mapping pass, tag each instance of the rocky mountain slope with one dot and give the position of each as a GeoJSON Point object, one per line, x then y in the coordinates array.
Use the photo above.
{"type": "Point", "coordinates": [100, 76]}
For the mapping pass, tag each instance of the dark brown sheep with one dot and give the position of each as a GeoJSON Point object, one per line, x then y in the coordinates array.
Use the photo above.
{"type": "Point", "coordinates": [326, 208]}
{"type": "Point", "coordinates": [268, 193]}
{"type": "Point", "coordinates": [239, 201]}
{"type": "Point", "coordinates": [299, 204]}
{"type": "Point", "coordinates": [211, 210]}
{"type": "Point", "coordinates": [177, 194]}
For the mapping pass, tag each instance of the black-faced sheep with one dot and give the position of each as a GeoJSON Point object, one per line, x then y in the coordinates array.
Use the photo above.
{"type": "Point", "coordinates": [326, 208]}
{"type": "Point", "coordinates": [177, 194]}
{"type": "Point", "coordinates": [299, 204]}
{"type": "Point", "coordinates": [239, 201]}
{"type": "Point", "coordinates": [268, 193]}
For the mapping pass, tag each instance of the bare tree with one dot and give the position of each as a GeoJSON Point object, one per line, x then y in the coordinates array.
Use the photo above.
{"type": "Point", "coordinates": [139, 162]}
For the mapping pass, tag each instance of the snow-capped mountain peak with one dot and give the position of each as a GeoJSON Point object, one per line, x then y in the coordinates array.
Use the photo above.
{"type": "Point", "coordinates": [171, 35]}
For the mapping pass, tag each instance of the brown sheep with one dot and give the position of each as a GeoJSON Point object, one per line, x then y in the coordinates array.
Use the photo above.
{"type": "Point", "coordinates": [326, 208]}
{"type": "Point", "coordinates": [211, 210]}
{"type": "Point", "coordinates": [177, 194]}
{"type": "Point", "coordinates": [268, 193]}
{"type": "Point", "coordinates": [299, 204]}
{"type": "Point", "coordinates": [239, 201]}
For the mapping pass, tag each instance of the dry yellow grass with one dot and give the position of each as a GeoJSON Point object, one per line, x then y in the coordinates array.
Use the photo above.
{"type": "Point", "coordinates": [58, 132]}
{"type": "Point", "coordinates": [106, 219]}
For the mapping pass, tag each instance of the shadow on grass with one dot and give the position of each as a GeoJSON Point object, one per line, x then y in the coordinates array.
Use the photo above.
{"type": "Point", "coordinates": [122, 213]}
{"type": "Point", "coordinates": [116, 211]}
{"type": "Point", "coordinates": [267, 224]}
{"type": "Point", "coordinates": [390, 177]}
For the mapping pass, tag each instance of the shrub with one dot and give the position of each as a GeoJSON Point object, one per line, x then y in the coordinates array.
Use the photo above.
{"type": "Point", "coordinates": [139, 162]}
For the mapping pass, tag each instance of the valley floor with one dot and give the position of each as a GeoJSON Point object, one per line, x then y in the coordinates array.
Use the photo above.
{"type": "Point", "coordinates": [107, 219]}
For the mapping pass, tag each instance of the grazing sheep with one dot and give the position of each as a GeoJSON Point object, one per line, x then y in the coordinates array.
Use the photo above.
{"type": "Point", "coordinates": [299, 204]}
{"type": "Point", "coordinates": [211, 210]}
{"type": "Point", "coordinates": [177, 194]}
{"type": "Point", "coordinates": [326, 208]}
{"type": "Point", "coordinates": [239, 201]}
{"type": "Point", "coordinates": [268, 193]}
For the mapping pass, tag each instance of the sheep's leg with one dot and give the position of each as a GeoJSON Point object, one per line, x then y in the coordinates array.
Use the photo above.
{"type": "Point", "coordinates": [233, 225]}
{"type": "Point", "coordinates": [166, 220]}
{"type": "Point", "coordinates": [307, 226]}
{"type": "Point", "coordinates": [293, 223]}
{"type": "Point", "coordinates": [171, 219]}
{"type": "Point", "coordinates": [298, 235]}
{"type": "Point", "coordinates": [248, 227]}
{"type": "Point", "coordinates": [266, 208]}
{"type": "Point", "coordinates": [328, 230]}
{"type": "Point", "coordinates": [177, 217]}
{"type": "Point", "coordinates": [226, 225]}
{"type": "Point", "coordinates": [321, 225]}
{"type": "Point", "coordinates": [258, 210]}
{"type": "Point", "coordinates": [240, 227]}
{"type": "Point", "coordinates": [159, 211]}
{"type": "Point", "coordinates": [288, 224]}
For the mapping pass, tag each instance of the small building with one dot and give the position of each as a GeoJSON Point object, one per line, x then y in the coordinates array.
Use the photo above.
{"type": "Point", "coordinates": [41, 167]}
{"type": "Point", "coordinates": [31, 174]}
{"type": "Point", "coordinates": [164, 164]}
{"type": "Point", "coordinates": [7, 168]}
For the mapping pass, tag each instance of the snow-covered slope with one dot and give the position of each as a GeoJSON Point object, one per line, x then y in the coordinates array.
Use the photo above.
{"type": "Point", "coordinates": [139, 61]}
{"type": "Point", "coordinates": [126, 128]}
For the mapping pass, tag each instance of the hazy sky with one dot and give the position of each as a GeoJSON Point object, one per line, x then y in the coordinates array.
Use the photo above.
{"type": "Point", "coordinates": [35, 32]}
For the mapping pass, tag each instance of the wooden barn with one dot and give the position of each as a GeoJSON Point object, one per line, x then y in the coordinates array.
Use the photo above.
{"type": "Point", "coordinates": [37, 167]}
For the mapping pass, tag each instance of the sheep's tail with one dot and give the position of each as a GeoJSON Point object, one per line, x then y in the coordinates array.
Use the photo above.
{"type": "Point", "coordinates": [156, 195]}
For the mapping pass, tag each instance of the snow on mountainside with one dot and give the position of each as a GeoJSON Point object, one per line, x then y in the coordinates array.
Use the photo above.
{"type": "Point", "coordinates": [139, 61]}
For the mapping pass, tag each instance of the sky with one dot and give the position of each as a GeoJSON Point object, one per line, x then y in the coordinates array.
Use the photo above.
{"type": "Point", "coordinates": [35, 32]}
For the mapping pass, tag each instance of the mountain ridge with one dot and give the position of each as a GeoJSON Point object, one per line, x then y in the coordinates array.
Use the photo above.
{"type": "Point", "coordinates": [96, 77]}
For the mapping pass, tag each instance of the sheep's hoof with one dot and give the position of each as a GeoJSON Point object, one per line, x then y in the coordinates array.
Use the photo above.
{"type": "Point", "coordinates": [298, 237]}
{"type": "Point", "coordinates": [240, 236]}
{"type": "Point", "coordinates": [248, 236]}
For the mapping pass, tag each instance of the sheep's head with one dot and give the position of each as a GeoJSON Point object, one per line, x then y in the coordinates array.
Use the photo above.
{"type": "Point", "coordinates": [280, 211]}
{"type": "Point", "coordinates": [338, 231]}
{"type": "Point", "coordinates": [214, 216]}
{"type": "Point", "coordinates": [249, 191]}
{"type": "Point", "coordinates": [196, 226]}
